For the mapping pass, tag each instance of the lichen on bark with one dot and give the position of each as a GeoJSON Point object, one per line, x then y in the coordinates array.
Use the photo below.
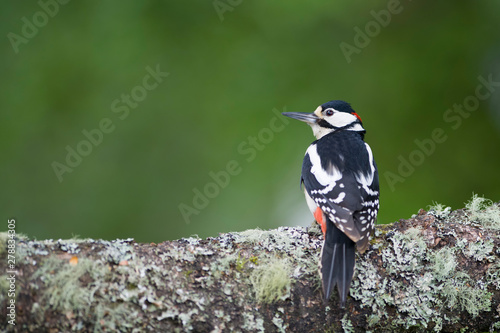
{"type": "Point", "coordinates": [437, 271]}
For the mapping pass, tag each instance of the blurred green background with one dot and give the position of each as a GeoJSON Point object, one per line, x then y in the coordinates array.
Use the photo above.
{"type": "Point", "coordinates": [230, 64]}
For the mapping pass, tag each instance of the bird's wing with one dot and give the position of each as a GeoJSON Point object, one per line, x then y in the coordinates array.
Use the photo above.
{"type": "Point", "coordinates": [344, 196]}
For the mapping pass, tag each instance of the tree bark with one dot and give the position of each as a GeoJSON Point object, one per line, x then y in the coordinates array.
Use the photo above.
{"type": "Point", "coordinates": [437, 271]}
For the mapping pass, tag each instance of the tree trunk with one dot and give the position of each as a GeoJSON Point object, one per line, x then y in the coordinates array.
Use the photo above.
{"type": "Point", "coordinates": [436, 271]}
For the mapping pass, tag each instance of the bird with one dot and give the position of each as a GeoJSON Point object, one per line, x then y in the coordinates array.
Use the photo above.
{"type": "Point", "coordinates": [341, 186]}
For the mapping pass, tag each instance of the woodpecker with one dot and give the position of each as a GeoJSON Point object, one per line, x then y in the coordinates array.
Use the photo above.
{"type": "Point", "coordinates": [341, 187]}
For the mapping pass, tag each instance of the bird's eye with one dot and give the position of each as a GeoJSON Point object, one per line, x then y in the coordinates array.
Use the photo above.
{"type": "Point", "coordinates": [329, 112]}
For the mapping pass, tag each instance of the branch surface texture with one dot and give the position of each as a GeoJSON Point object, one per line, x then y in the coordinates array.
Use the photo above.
{"type": "Point", "coordinates": [437, 271]}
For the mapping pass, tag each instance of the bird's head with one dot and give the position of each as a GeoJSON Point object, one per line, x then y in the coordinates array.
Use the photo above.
{"type": "Point", "coordinates": [330, 117]}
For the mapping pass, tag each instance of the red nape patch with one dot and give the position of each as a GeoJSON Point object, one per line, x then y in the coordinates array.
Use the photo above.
{"type": "Point", "coordinates": [354, 113]}
{"type": "Point", "coordinates": [318, 215]}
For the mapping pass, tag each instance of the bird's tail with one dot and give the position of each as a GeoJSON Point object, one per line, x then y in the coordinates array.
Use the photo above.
{"type": "Point", "coordinates": [337, 263]}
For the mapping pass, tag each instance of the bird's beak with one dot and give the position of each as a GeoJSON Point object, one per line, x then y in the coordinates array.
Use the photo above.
{"type": "Point", "coordinates": [310, 118]}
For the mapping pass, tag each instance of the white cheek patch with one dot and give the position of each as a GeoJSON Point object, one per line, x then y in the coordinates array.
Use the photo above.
{"type": "Point", "coordinates": [340, 119]}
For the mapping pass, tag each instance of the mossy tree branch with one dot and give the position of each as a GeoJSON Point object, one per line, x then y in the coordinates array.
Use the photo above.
{"type": "Point", "coordinates": [436, 271]}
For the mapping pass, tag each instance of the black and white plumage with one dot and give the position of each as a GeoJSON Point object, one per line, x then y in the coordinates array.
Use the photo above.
{"type": "Point", "coordinates": [341, 186]}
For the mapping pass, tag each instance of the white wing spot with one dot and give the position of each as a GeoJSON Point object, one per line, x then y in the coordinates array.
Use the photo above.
{"type": "Point", "coordinates": [339, 198]}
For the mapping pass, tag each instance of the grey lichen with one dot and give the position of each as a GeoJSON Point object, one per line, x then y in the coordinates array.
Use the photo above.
{"type": "Point", "coordinates": [63, 280]}
{"type": "Point", "coordinates": [253, 323]}
{"type": "Point", "coordinates": [443, 262]}
{"type": "Point", "coordinates": [495, 327]}
{"type": "Point", "coordinates": [118, 250]}
{"type": "Point", "coordinates": [119, 281]}
{"type": "Point", "coordinates": [461, 290]}
{"type": "Point", "coordinates": [437, 271]}
{"type": "Point", "coordinates": [484, 211]}
{"type": "Point", "coordinates": [420, 280]}
{"type": "Point", "coordinates": [439, 210]}
{"type": "Point", "coordinates": [280, 325]}
{"type": "Point", "coordinates": [69, 246]}
{"type": "Point", "coordinates": [346, 324]}
{"type": "Point", "coordinates": [493, 276]}
{"type": "Point", "coordinates": [82, 288]}
{"type": "Point", "coordinates": [480, 250]}
{"type": "Point", "coordinates": [271, 279]}
{"type": "Point", "coordinates": [406, 253]}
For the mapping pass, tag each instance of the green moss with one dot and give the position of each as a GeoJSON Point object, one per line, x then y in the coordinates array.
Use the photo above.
{"type": "Point", "coordinates": [240, 263]}
{"type": "Point", "coordinates": [271, 280]}
{"type": "Point", "coordinates": [254, 260]}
